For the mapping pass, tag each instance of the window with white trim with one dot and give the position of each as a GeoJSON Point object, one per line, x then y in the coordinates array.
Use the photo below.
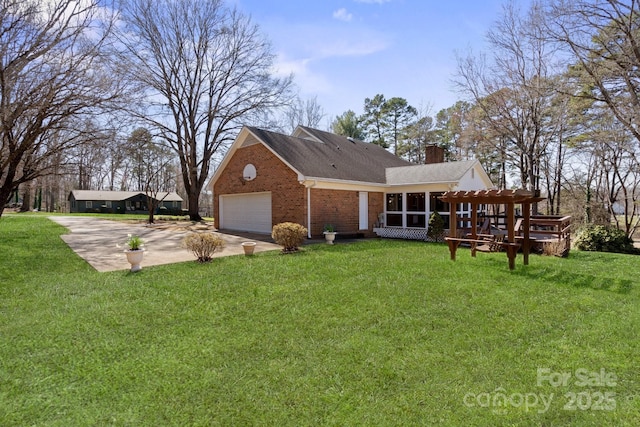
{"type": "Point", "coordinates": [394, 210]}
{"type": "Point", "coordinates": [416, 210]}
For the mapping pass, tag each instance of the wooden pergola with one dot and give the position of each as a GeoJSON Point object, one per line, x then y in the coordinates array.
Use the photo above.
{"type": "Point", "coordinates": [507, 198]}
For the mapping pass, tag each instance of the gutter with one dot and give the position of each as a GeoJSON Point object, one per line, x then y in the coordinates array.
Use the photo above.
{"type": "Point", "coordinates": [308, 185]}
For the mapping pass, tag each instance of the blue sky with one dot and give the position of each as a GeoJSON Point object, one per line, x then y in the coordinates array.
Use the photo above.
{"type": "Point", "coordinates": [343, 51]}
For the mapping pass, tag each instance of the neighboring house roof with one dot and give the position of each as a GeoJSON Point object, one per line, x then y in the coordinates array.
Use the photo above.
{"type": "Point", "coordinates": [432, 173]}
{"type": "Point", "coordinates": [318, 154]}
{"type": "Point", "coordinates": [121, 195]}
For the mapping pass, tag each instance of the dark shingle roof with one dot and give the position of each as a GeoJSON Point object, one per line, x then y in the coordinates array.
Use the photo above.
{"type": "Point", "coordinates": [106, 195]}
{"type": "Point", "coordinates": [336, 157]}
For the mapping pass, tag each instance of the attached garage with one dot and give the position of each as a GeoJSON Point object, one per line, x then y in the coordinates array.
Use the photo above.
{"type": "Point", "coordinates": [246, 212]}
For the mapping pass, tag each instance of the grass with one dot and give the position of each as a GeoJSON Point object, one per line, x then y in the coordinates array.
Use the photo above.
{"type": "Point", "coordinates": [373, 333]}
{"type": "Point", "coordinates": [110, 216]}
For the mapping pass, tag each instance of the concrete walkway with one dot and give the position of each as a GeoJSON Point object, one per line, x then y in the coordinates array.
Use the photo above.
{"type": "Point", "coordinates": [102, 242]}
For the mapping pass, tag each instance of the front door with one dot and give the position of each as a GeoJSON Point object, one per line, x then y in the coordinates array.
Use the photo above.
{"type": "Point", "coordinates": [363, 210]}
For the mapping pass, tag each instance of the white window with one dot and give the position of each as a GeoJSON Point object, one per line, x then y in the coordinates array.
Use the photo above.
{"type": "Point", "coordinates": [394, 208]}
{"type": "Point", "coordinates": [406, 210]}
{"type": "Point", "coordinates": [88, 204]}
{"type": "Point", "coordinates": [416, 210]}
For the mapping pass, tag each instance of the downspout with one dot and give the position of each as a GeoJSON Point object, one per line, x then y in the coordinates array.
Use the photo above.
{"type": "Point", "coordinates": [309, 185]}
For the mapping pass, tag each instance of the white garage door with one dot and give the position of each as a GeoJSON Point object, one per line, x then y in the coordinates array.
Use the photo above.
{"type": "Point", "coordinates": [246, 212]}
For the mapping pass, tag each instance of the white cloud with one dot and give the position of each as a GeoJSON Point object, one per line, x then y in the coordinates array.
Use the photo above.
{"type": "Point", "coordinates": [310, 58]}
{"type": "Point", "coordinates": [305, 77]}
{"type": "Point", "coordinates": [342, 15]}
{"type": "Point", "coordinates": [330, 41]}
{"type": "Point", "coordinates": [345, 47]}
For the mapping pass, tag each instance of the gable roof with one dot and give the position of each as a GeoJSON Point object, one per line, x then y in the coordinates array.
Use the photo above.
{"type": "Point", "coordinates": [328, 159]}
{"type": "Point", "coordinates": [105, 195]}
{"type": "Point", "coordinates": [431, 173]}
{"type": "Point", "coordinates": [318, 154]}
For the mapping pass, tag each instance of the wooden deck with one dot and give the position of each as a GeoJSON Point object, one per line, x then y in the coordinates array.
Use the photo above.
{"type": "Point", "coordinates": [547, 234]}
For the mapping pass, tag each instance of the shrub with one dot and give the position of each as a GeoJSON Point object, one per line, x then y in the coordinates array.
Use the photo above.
{"type": "Point", "coordinates": [559, 249]}
{"type": "Point", "coordinates": [203, 245]}
{"type": "Point", "coordinates": [289, 235]}
{"type": "Point", "coordinates": [601, 238]}
{"type": "Point", "coordinates": [436, 227]}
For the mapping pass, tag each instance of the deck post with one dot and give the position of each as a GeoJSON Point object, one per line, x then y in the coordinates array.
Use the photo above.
{"type": "Point", "coordinates": [511, 233]}
{"type": "Point", "coordinates": [453, 247]}
{"type": "Point", "coordinates": [512, 250]}
{"type": "Point", "coordinates": [474, 220]}
{"type": "Point", "coordinates": [453, 232]}
{"type": "Point", "coordinates": [526, 225]}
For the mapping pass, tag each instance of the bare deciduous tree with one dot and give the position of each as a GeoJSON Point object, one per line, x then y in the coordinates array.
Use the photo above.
{"type": "Point", "coordinates": [204, 69]}
{"type": "Point", "coordinates": [304, 113]}
{"type": "Point", "coordinates": [51, 73]}
{"type": "Point", "coordinates": [604, 38]}
{"type": "Point", "coordinates": [152, 169]}
{"type": "Point", "coordinates": [512, 87]}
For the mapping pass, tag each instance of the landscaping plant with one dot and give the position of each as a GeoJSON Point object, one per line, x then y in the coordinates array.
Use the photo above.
{"type": "Point", "coordinates": [203, 245]}
{"type": "Point", "coordinates": [601, 238]}
{"type": "Point", "coordinates": [436, 227]}
{"type": "Point", "coordinates": [134, 243]}
{"type": "Point", "coordinates": [290, 235]}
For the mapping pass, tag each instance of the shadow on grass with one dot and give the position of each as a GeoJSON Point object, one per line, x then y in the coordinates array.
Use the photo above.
{"type": "Point", "coordinates": [578, 280]}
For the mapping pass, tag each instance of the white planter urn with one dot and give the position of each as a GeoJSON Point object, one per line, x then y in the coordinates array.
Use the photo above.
{"type": "Point", "coordinates": [248, 247]}
{"type": "Point", "coordinates": [135, 258]}
{"type": "Point", "coordinates": [330, 236]}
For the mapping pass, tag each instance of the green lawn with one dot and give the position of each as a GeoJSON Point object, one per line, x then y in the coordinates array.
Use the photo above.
{"type": "Point", "coordinates": [365, 334]}
{"type": "Point", "coordinates": [113, 216]}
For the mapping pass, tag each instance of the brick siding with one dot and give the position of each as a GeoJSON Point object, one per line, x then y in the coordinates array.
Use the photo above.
{"type": "Point", "coordinates": [340, 208]}
{"type": "Point", "coordinates": [289, 197]}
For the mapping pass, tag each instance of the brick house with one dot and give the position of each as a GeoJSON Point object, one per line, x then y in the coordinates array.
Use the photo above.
{"type": "Point", "coordinates": [316, 178]}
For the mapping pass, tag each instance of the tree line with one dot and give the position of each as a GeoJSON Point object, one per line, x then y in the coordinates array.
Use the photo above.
{"type": "Point", "coordinates": [146, 94]}
{"type": "Point", "coordinates": [78, 78]}
{"type": "Point", "coordinates": [552, 107]}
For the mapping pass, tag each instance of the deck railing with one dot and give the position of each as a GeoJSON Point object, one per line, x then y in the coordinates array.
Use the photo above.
{"type": "Point", "coordinates": [549, 227]}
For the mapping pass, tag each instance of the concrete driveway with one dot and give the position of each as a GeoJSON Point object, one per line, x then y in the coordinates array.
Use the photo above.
{"type": "Point", "coordinates": [102, 242]}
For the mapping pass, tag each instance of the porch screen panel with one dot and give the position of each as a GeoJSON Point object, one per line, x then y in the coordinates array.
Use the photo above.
{"type": "Point", "coordinates": [416, 210]}
{"type": "Point", "coordinates": [437, 205]}
{"type": "Point", "coordinates": [394, 209]}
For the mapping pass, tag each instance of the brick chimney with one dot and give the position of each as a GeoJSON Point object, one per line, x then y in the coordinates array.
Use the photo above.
{"type": "Point", "coordinates": [433, 154]}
